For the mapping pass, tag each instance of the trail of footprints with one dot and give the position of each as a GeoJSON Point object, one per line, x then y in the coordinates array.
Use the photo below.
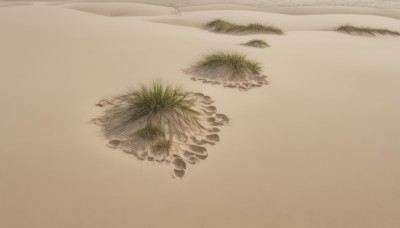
{"type": "Point", "coordinates": [241, 85]}
{"type": "Point", "coordinates": [185, 149]}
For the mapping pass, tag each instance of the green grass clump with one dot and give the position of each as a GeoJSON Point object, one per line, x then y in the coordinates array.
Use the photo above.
{"type": "Point", "coordinates": [257, 44]}
{"type": "Point", "coordinates": [219, 25]}
{"type": "Point", "coordinates": [151, 111]}
{"type": "Point", "coordinates": [164, 145]}
{"type": "Point", "coordinates": [235, 62]}
{"type": "Point", "coordinates": [150, 132]}
{"type": "Point", "coordinates": [161, 101]}
{"type": "Point", "coordinates": [366, 30]}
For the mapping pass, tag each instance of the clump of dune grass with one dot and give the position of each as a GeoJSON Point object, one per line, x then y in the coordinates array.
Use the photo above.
{"type": "Point", "coordinates": [231, 69]}
{"type": "Point", "coordinates": [366, 30]}
{"type": "Point", "coordinates": [162, 103]}
{"type": "Point", "coordinates": [237, 64]}
{"type": "Point", "coordinates": [161, 123]}
{"type": "Point", "coordinates": [257, 44]}
{"type": "Point", "coordinates": [158, 108]}
{"type": "Point", "coordinates": [219, 25]}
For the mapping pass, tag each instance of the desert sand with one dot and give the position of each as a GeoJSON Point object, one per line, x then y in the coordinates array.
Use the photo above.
{"type": "Point", "coordinates": [316, 148]}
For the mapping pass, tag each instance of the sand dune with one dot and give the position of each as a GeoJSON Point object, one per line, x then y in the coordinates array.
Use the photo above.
{"type": "Point", "coordinates": [123, 9]}
{"type": "Point", "coordinates": [317, 147]}
{"type": "Point", "coordinates": [6, 4]}
{"type": "Point", "coordinates": [320, 22]}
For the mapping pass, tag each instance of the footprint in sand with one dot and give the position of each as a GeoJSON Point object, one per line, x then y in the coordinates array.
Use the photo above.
{"type": "Point", "coordinates": [178, 173]}
{"type": "Point", "coordinates": [213, 137]}
{"type": "Point", "coordinates": [114, 143]}
{"type": "Point", "coordinates": [223, 118]}
{"type": "Point", "coordinates": [211, 108]}
{"type": "Point", "coordinates": [214, 129]}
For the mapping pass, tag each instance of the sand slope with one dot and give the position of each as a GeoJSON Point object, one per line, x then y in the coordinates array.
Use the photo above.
{"type": "Point", "coordinates": [318, 147]}
{"type": "Point", "coordinates": [123, 9]}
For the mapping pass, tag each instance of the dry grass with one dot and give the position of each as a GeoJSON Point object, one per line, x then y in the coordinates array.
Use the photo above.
{"type": "Point", "coordinates": [219, 25]}
{"type": "Point", "coordinates": [257, 44]}
{"type": "Point", "coordinates": [350, 29]}
{"type": "Point", "coordinates": [238, 63]}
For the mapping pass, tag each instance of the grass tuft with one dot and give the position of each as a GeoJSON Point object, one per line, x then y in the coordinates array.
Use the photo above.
{"type": "Point", "coordinates": [366, 30]}
{"type": "Point", "coordinates": [257, 44]}
{"type": "Point", "coordinates": [219, 25]}
{"type": "Point", "coordinates": [238, 63]}
{"type": "Point", "coordinates": [162, 101]}
{"type": "Point", "coordinates": [151, 111]}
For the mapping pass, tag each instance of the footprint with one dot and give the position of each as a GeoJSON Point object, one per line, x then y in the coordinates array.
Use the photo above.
{"type": "Point", "coordinates": [223, 118]}
{"type": "Point", "coordinates": [114, 143]}
{"type": "Point", "coordinates": [198, 149]}
{"type": "Point", "coordinates": [213, 137]}
{"type": "Point", "coordinates": [214, 129]}
{"type": "Point", "coordinates": [208, 102]}
{"type": "Point", "coordinates": [179, 164]}
{"type": "Point", "coordinates": [216, 124]}
{"type": "Point", "coordinates": [193, 160]}
{"type": "Point", "coordinates": [211, 119]}
{"type": "Point", "coordinates": [189, 155]}
{"type": "Point", "coordinates": [178, 173]}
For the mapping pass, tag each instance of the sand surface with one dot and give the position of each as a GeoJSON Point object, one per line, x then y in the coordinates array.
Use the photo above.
{"type": "Point", "coordinates": [316, 148]}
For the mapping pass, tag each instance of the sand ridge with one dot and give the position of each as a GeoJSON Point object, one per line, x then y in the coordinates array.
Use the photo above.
{"type": "Point", "coordinates": [123, 9]}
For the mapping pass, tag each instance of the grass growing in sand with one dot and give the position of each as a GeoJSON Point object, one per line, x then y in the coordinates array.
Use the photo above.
{"type": "Point", "coordinates": [257, 44]}
{"type": "Point", "coordinates": [161, 123]}
{"type": "Point", "coordinates": [157, 110]}
{"type": "Point", "coordinates": [162, 103]}
{"type": "Point", "coordinates": [219, 25]}
{"type": "Point", "coordinates": [366, 30]}
{"type": "Point", "coordinates": [237, 63]}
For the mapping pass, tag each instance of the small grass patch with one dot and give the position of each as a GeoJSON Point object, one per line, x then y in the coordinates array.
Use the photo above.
{"type": "Point", "coordinates": [237, 63]}
{"type": "Point", "coordinates": [150, 132]}
{"type": "Point", "coordinates": [257, 44]}
{"type": "Point", "coordinates": [219, 25]}
{"type": "Point", "coordinates": [366, 30]}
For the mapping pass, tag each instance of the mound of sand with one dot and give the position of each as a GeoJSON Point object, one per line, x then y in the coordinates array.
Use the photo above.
{"type": "Point", "coordinates": [229, 73]}
{"type": "Point", "coordinates": [7, 4]}
{"type": "Point", "coordinates": [187, 146]}
{"type": "Point", "coordinates": [123, 9]}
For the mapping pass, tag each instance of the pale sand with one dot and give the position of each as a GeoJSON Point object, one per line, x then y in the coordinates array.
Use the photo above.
{"type": "Point", "coordinates": [318, 147]}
